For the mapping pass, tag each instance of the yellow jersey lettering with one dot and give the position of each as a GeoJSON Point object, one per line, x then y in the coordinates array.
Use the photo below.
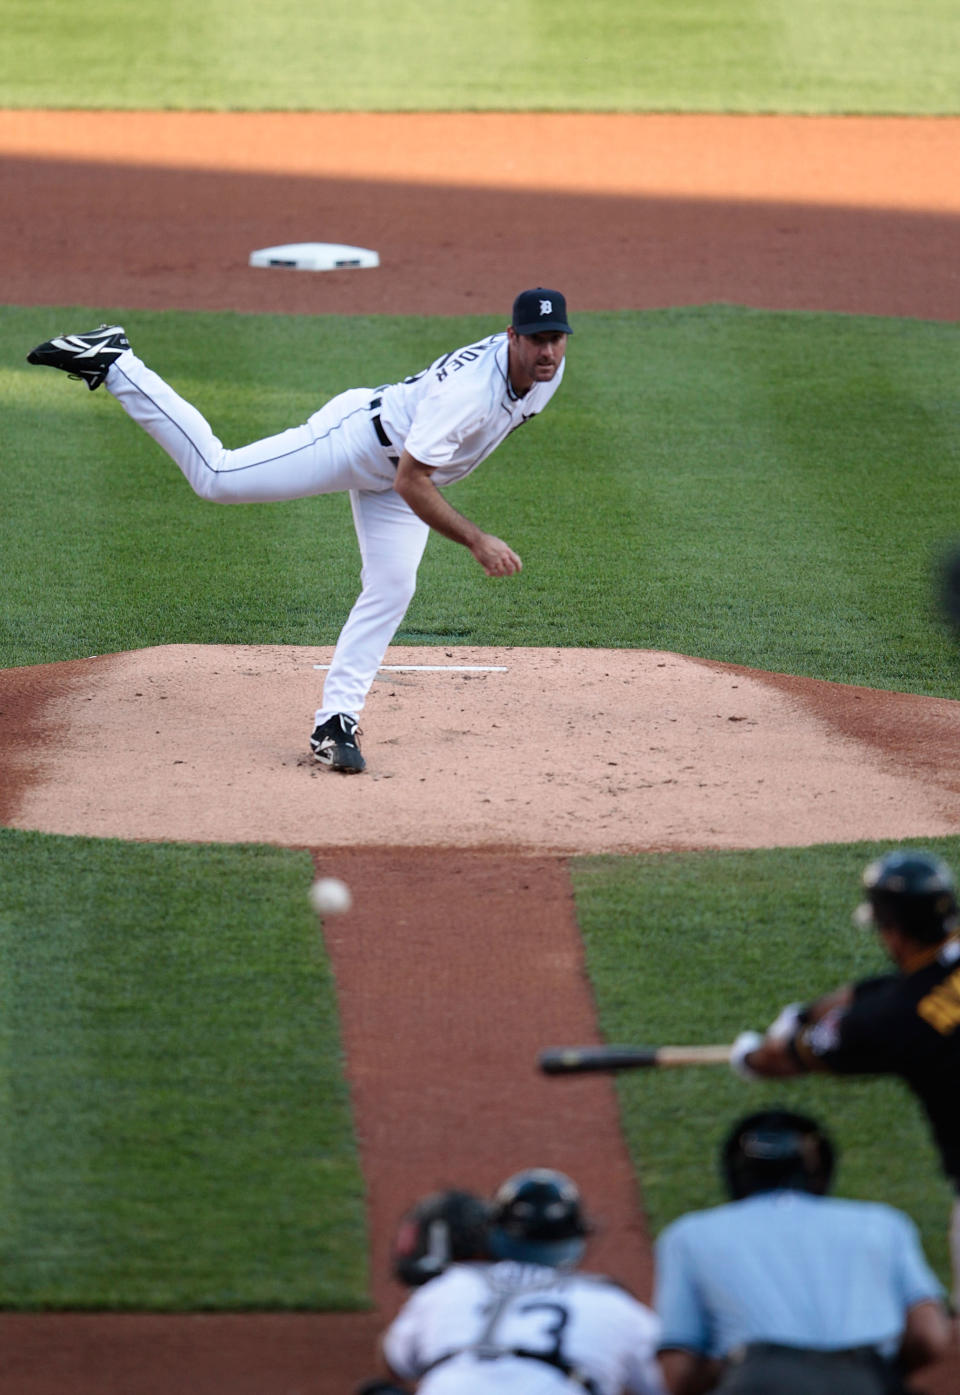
{"type": "Point", "coordinates": [941, 1006]}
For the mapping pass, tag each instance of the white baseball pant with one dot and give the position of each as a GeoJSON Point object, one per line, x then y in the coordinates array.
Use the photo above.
{"type": "Point", "coordinates": [336, 450]}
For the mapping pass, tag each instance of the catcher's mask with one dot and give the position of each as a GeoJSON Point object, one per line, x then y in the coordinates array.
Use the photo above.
{"type": "Point", "coordinates": [440, 1229]}
{"type": "Point", "coordinates": [776, 1149]}
{"type": "Point", "coordinates": [913, 892]}
{"type": "Point", "coordinates": [538, 1219]}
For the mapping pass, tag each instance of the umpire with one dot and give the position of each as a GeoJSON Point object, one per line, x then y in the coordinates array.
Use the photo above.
{"type": "Point", "coordinates": [902, 1023]}
{"type": "Point", "coordinates": [786, 1289]}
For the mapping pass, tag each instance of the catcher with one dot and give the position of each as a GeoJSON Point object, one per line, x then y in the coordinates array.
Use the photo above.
{"type": "Point", "coordinates": [525, 1319]}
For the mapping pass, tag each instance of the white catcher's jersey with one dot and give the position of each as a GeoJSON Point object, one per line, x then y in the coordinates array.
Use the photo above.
{"type": "Point", "coordinates": [455, 413]}
{"type": "Point", "coordinates": [461, 1332]}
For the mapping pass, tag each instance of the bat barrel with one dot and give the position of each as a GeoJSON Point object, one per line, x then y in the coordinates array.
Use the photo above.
{"type": "Point", "coordinates": [576, 1060]}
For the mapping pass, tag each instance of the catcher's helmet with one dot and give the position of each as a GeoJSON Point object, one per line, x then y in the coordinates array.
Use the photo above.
{"type": "Point", "coordinates": [776, 1149]}
{"type": "Point", "coordinates": [538, 1219]}
{"type": "Point", "coordinates": [439, 1229]}
{"type": "Point", "coordinates": [910, 891]}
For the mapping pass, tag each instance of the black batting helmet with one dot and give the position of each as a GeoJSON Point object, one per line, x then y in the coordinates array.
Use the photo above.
{"type": "Point", "coordinates": [538, 1219]}
{"type": "Point", "coordinates": [776, 1149]}
{"type": "Point", "coordinates": [911, 891]}
{"type": "Point", "coordinates": [440, 1229]}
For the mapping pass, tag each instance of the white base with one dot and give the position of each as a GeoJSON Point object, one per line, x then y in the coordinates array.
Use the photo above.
{"type": "Point", "coordinates": [315, 256]}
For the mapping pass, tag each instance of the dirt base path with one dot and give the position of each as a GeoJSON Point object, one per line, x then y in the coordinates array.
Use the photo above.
{"type": "Point", "coordinates": [622, 212]}
{"type": "Point", "coordinates": [162, 209]}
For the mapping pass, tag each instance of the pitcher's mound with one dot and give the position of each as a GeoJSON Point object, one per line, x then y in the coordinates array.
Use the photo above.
{"type": "Point", "coordinates": [547, 750]}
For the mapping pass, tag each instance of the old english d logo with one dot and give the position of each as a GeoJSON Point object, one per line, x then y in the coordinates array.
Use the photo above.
{"type": "Point", "coordinates": [546, 307]}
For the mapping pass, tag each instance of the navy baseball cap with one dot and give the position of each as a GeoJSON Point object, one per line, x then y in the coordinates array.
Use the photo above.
{"type": "Point", "coordinates": [538, 310]}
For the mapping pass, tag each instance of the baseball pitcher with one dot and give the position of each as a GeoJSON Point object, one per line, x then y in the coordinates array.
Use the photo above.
{"type": "Point", "coordinates": [392, 448]}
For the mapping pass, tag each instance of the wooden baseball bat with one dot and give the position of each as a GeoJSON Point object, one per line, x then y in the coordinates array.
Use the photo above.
{"type": "Point", "coordinates": [573, 1060]}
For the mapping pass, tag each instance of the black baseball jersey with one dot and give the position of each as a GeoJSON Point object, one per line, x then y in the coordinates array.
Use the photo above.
{"type": "Point", "coordinates": [903, 1024]}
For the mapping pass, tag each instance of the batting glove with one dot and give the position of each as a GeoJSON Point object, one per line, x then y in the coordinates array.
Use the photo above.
{"type": "Point", "coordinates": [784, 1026]}
{"type": "Point", "coordinates": [741, 1048]}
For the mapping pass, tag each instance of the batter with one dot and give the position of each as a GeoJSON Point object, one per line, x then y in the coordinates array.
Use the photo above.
{"type": "Point", "coordinates": [392, 448]}
{"type": "Point", "coordinates": [904, 1023]}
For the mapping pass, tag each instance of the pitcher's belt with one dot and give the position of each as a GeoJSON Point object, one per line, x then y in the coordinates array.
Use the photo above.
{"type": "Point", "coordinates": [382, 436]}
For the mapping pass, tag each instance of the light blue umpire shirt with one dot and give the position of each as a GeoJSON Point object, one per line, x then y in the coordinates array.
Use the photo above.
{"type": "Point", "coordinates": [793, 1268]}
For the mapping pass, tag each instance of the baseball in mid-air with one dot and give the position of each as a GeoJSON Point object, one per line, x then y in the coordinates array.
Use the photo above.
{"type": "Point", "coordinates": [330, 896]}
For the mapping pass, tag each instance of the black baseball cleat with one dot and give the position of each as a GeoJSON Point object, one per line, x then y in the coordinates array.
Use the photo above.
{"type": "Point", "coordinates": [335, 744]}
{"type": "Point", "coordinates": [86, 356]}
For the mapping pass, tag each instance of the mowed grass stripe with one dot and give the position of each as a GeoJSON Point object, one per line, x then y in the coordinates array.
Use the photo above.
{"type": "Point", "coordinates": [175, 1127]}
{"type": "Point", "coordinates": [704, 55]}
{"type": "Point", "coordinates": [786, 475]}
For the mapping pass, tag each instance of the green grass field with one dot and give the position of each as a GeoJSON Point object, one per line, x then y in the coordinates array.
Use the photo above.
{"type": "Point", "coordinates": [655, 55]}
{"type": "Point", "coordinates": [764, 488]}
{"type": "Point", "coordinates": [175, 1131]}
{"type": "Point", "coordinates": [756, 487]}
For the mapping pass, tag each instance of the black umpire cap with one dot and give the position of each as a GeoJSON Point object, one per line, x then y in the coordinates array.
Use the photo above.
{"type": "Point", "coordinates": [538, 310]}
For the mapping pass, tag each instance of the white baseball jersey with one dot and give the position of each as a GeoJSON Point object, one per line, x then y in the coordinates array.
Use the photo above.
{"type": "Point", "coordinates": [455, 413]}
{"type": "Point", "coordinates": [466, 1330]}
